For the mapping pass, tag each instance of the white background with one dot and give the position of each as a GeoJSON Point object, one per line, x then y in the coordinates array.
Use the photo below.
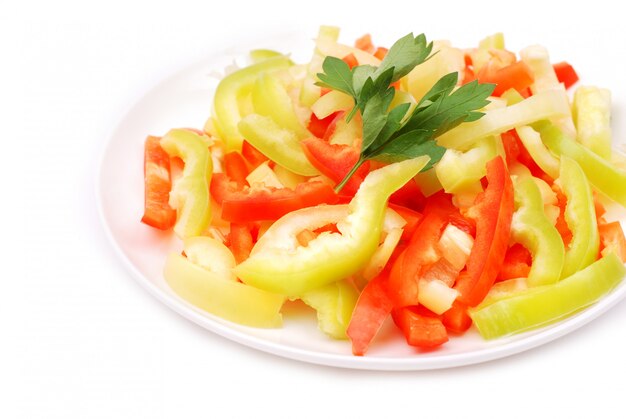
{"type": "Point", "coordinates": [80, 339]}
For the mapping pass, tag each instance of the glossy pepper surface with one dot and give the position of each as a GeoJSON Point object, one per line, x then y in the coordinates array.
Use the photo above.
{"type": "Point", "coordinates": [279, 264]}
{"type": "Point", "coordinates": [190, 195]}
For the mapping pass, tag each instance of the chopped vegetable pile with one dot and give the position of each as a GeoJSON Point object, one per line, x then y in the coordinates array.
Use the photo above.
{"type": "Point", "coordinates": [436, 186]}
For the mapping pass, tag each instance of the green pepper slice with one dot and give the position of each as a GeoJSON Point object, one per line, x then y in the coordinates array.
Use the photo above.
{"type": "Point", "coordinates": [601, 173]}
{"type": "Point", "coordinates": [226, 105]}
{"type": "Point", "coordinates": [543, 305]}
{"type": "Point", "coordinates": [278, 264]}
{"type": "Point", "coordinates": [532, 229]}
{"type": "Point", "coordinates": [190, 194]}
{"type": "Point", "coordinates": [580, 215]}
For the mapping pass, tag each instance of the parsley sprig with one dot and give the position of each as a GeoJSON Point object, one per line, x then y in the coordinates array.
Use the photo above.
{"type": "Point", "coordinates": [391, 135]}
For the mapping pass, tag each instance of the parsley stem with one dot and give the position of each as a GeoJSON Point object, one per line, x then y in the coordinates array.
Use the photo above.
{"type": "Point", "coordinates": [352, 171]}
{"type": "Point", "coordinates": [352, 113]}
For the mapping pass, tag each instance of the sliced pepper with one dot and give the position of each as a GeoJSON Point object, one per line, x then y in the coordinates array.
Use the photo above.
{"type": "Point", "coordinates": [253, 156]}
{"type": "Point", "coordinates": [543, 105]}
{"type": "Point", "coordinates": [420, 327]}
{"type": "Point", "coordinates": [422, 251]}
{"type": "Point", "coordinates": [458, 171]}
{"type": "Point", "coordinates": [335, 161]}
{"type": "Point", "coordinates": [236, 168]}
{"type": "Point", "coordinates": [531, 228]}
{"type": "Point", "coordinates": [280, 145]}
{"type": "Point", "coordinates": [157, 211]}
{"type": "Point", "coordinates": [493, 212]}
{"type": "Point", "coordinates": [565, 74]}
{"type": "Point", "coordinates": [457, 320]}
{"type": "Point", "coordinates": [240, 241]}
{"type": "Point", "coordinates": [279, 264]}
{"type": "Point", "coordinates": [270, 98]}
{"type": "Point", "coordinates": [208, 283]}
{"type": "Point", "coordinates": [372, 309]}
{"type": "Point", "coordinates": [225, 102]}
{"type": "Point", "coordinates": [608, 179]}
{"type": "Point", "coordinates": [517, 263]}
{"type": "Point", "coordinates": [242, 205]}
{"type": "Point", "coordinates": [517, 75]}
{"type": "Point", "coordinates": [319, 127]}
{"type": "Point", "coordinates": [580, 216]}
{"type": "Point", "coordinates": [334, 304]}
{"type": "Point", "coordinates": [190, 195]}
{"type": "Point", "coordinates": [538, 151]}
{"type": "Point", "coordinates": [539, 306]}
{"type": "Point", "coordinates": [310, 92]}
{"type": "Point", "coordinates": [592, 116]}
{"type": "Point", "coordinates": [613, 240]}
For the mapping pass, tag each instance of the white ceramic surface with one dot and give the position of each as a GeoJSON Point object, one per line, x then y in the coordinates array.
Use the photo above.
{"type": "Point", "coordinates": [184, 100]}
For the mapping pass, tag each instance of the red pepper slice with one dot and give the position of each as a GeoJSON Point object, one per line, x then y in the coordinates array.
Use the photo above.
{"type": "Point", "coordinates": [523, 156]}
{"type": "Point", "coordinates": [319, 127]}
{"type": "Point", "coordinates": [421, 252]}
{"type": "Point", "coordinates": [468, 74]}
{"type": "Point", "coordinates": [511, 147]}
{"type": "Point", "coordinates": [516, 76]}
{"type": "Point", "coordinates": [251, 204]}
{"type": "Point", "coordinates": [493, 212]}
{"type": "Point", "coordinates": [516, 264]}
{"type": "Point", "coordinates": [456, 319]}
{"type": "Point", "coordinates": [252, 155]}
{"type": "Point", "coordinates": [371, 310]}
{"type": "Point", "coordinates": [612, 236]}
{"type": "Point", "coordinates": [235, 168]}
{"type": "Point", "coordinates": [240, 241]}
{"type": "Point", "coordinates": [409, 196]}
{"type": "Point", "coordinates": [380, 53]}
{"type": "Point", "coordinates": [158, 183]}
{"type": "Point", "coordinates": [351, 60]}
{"type": "Point", "coordinates": [421, 327]}
{"type": "Point", "coordinates": [364, 43]}
{"type": "Point", "coordinates": [335, 161]}
{"type": "Point", "coordinates": [411, 217]}
{"type": "Point", "coordinates": [561, 225]}
{"type": "Point", "coordinates": [330, 130]}
{"type": "Point", "coordinates": [565, 73]}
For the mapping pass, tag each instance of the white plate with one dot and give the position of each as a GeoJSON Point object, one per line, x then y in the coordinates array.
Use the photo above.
{"type": "Point", "coordinates": [184, 100]}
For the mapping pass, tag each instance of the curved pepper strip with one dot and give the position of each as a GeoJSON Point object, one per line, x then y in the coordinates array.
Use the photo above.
{"type": "Point", "coordinates": [538, 151]}
{"type": "Point", "coordinates": [242, 205]}
{"type": "Point", "coordinates": [531, 228]}
{"type": "Point", "coordinates": [190, 195]}
{"type": "Point", "coordinates": [334, 304]}
{"type": "Point", "coordinates": [372, 309]}
{"type": "Point", "coordinates": [580, 215]}
{"type": "Point", "coordinates": [157, 211]}
{"type": "Point", "coordinates": [270, 98]}
{"type": "Point", "coordinates": [280, 145]}
{"type": "Point", "coordinates": [421, 328]}
{"type": "Point", "coordinates": [543, 105]}
{"type": "Point", "coordinates": [225, 103]}
{"type": "Point", "coordinates": [422, 251]}
{"type": "Point", "coordinates": [601, 173]}
{"type": "Point", "coordinates": [204, 278]}
{"type": "Point", "coordinates": [493, 212]}
{"type": "Point", "coordinates": [538, 306]}
{"type": "Point", "coordinates": [279, 264]}
{"type": "Point", "coordinates": [592, 115]}
{"type": "Point", "coordinates": [335, 161]}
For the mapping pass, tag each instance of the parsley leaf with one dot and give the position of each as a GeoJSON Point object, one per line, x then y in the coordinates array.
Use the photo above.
{"type": "Point", "coordinates": [404, 55]}
{"type": "Point", "coordinates": [391, 135]}
{"type": "Point", "coordinates": [337, 75]}
{"type": "Point", "coordinates": [365, 81]}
